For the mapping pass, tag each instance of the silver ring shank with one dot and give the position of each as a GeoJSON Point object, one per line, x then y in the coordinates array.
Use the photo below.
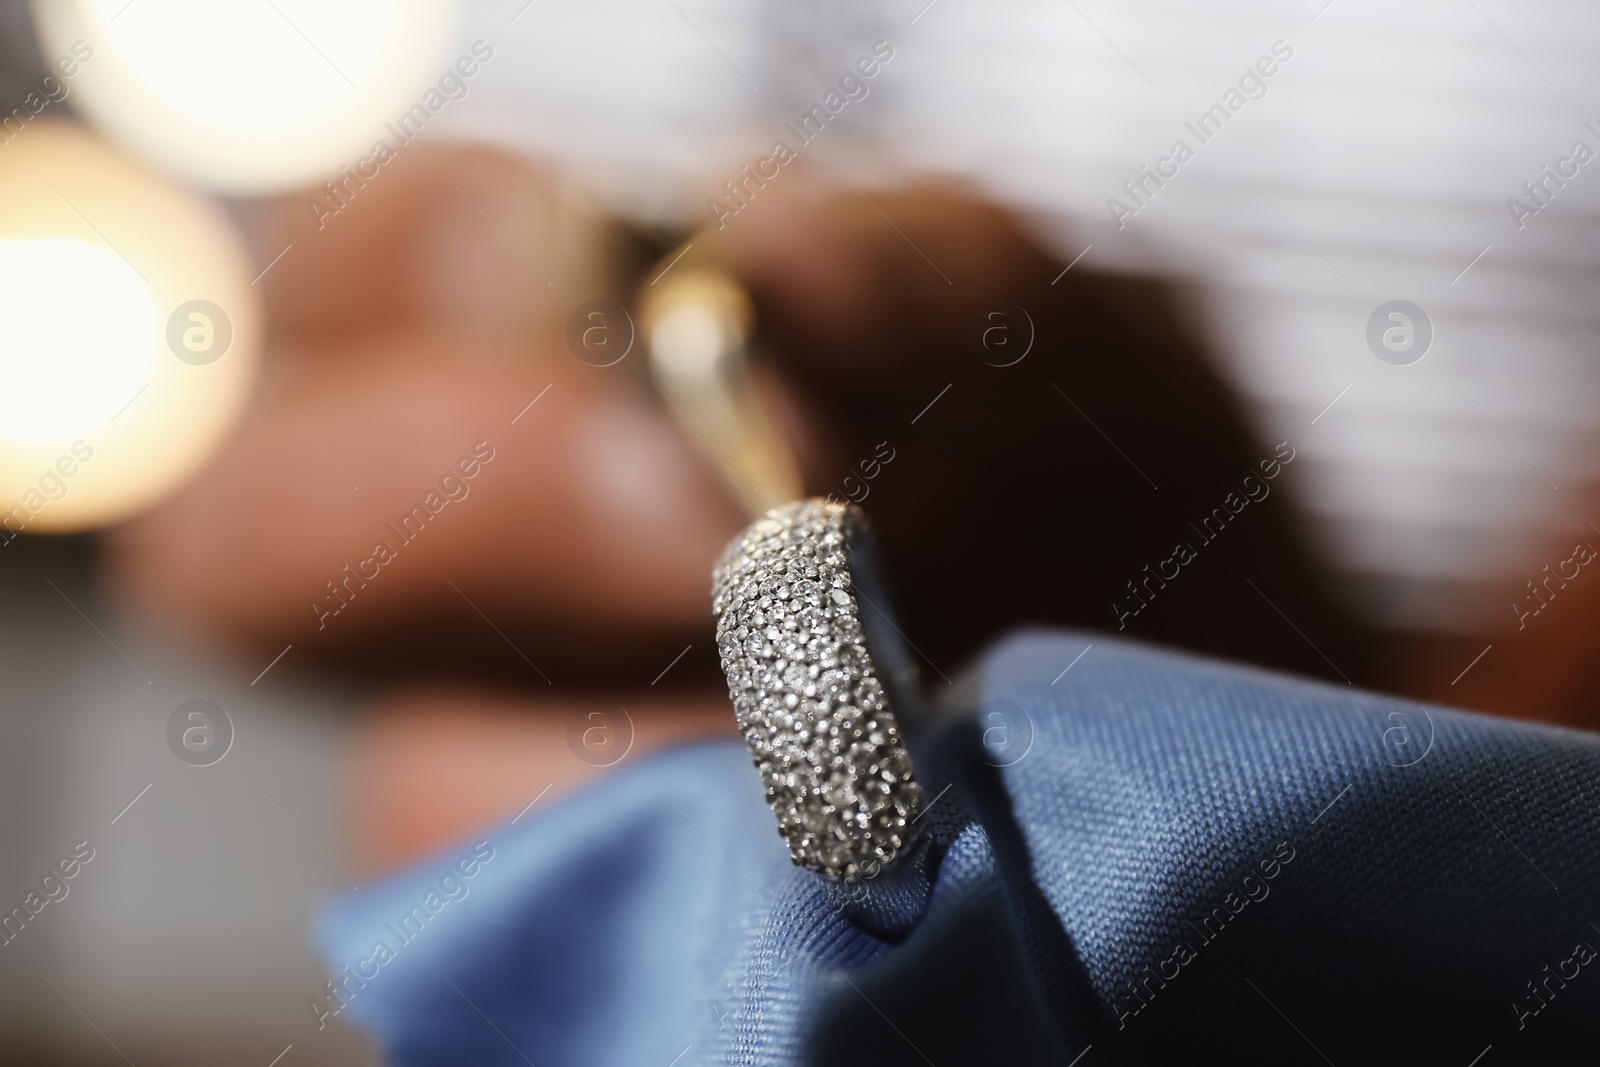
{"type": "Point", "coordinates": [807, 693]}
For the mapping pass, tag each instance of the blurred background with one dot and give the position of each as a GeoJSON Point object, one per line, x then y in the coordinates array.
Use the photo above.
{"type": "Point", "coordinates": [344, 516]}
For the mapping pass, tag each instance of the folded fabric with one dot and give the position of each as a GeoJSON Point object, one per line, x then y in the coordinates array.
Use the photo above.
{"type": "Point", "coordinates": [1147, 858]}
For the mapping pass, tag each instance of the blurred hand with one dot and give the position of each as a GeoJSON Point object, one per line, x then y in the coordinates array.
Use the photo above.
{"type": "Point", "coordinates": [418, 335]}
{"type": "Point", "coordinates": [422, 319]}
{"type": "Point", "coordinates": [408, 331]}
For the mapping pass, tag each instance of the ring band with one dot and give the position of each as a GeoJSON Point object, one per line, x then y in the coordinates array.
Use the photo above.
{"type": "Point", "coordinates": [807, 692]}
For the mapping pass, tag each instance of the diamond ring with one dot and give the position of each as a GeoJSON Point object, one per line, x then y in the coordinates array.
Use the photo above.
{"type": "Point", "coordinates": [815, 706]}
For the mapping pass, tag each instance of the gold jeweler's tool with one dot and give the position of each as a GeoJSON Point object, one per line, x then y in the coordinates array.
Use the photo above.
{"type": "Point", "coordinates": [696, 325]}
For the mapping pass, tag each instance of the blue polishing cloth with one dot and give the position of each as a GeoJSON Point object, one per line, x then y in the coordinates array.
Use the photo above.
{"type": "Point", "coordinates": [1150, 858]}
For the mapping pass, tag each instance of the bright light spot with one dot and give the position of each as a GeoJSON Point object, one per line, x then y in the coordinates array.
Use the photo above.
{"type": "Point", "coordinates": [254, 96]}
{"type": "Point", "coordinates": [259, 72]}
{"type": "Point", "coordinates": [687, 341]}
{"type": "Point", "coordinates": [78, 332]}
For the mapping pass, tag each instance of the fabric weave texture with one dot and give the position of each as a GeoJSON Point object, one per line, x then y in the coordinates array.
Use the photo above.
{"type": "Point", "coordinates": [1151, 858]}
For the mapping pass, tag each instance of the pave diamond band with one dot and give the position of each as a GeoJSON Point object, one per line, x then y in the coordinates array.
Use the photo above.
{"type": "Point", "coordinates": [808, 695]}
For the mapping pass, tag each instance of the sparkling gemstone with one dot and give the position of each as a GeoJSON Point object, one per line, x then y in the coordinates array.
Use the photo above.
{"type": "Point", "coordinates": [817, 719]}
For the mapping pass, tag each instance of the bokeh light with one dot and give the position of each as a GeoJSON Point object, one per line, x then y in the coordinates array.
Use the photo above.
{"type": "Point", "coordinates": [249, 97]}
{"type": "Point", "coordinates": [128, 332]}
{"type": "Point", "coordinates": [62, 371]}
